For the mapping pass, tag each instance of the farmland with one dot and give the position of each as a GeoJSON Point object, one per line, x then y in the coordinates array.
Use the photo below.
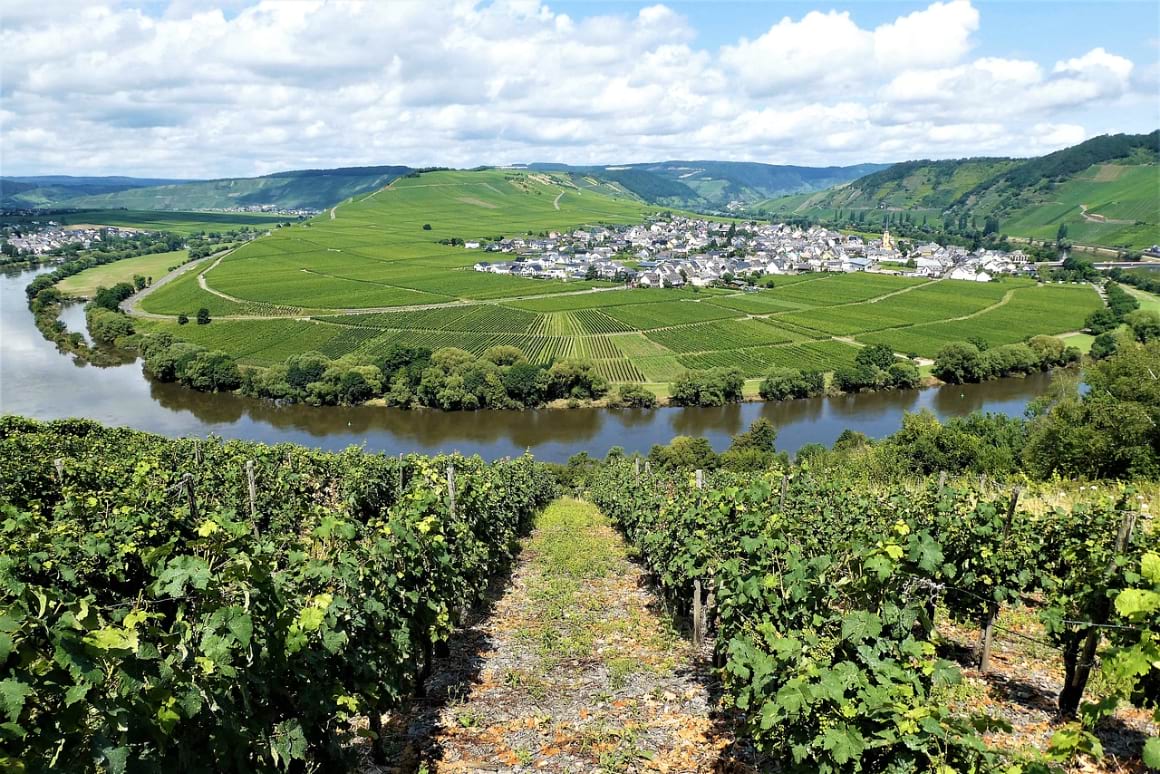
{"type": "Point", "coordinates": [177, 222]}
{"type": "Point", "coordinates": [152, 265]}
{"type": "Point", "coordinates": [371, 275]}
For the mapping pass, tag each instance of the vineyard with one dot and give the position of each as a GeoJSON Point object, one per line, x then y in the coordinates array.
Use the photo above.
{"type": "Point", "coordinates": [825, 598]}
{"type": "Point", "coordinates": [374, 266]}
{"type": "Point", "coordinates": [283, 608]}
{"type": "Point", "coordinates": [164, 599]}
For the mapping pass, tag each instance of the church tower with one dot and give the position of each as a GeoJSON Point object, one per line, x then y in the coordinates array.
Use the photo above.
{"type": "Point", "coordinates": [887, 243]}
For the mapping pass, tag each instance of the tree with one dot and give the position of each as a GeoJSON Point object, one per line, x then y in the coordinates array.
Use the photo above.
{"type": "Point", "coordinates": [787, 383]}
{"type": "Point", "coordinates": [1100, 321]}
{"type": "Point", "coordinates": [203, 316]}
{"type": "Point", "coordinates": [306, 368]}
{"type": "Point", "coordinates": [1061, 233]}
{"type": "Point", "coordinates": [1104, 346]}
{"type": "Point", "coordinates": [182, 319]}
{"type": "Point", "coordinates": [903, 375]}
{"type": "Point", "coordinates": [636, 396]}
{"type": "Point", "coordinates": [426, 226]}
{"type": "Point", "coordinates": [212, 372]}
{"type": "Point", "coordinates": [761, 435]}
{"type": "Point", "coordinates": [526, 383]}
{"type": "Point", "coordinates": [684, 453]}
{"type": "Point", "coordinates": [1145, 325]}
{"type": "Point", "coordinates": [958, 362]}
{"type": "Point", "coordinates": [876, 356]}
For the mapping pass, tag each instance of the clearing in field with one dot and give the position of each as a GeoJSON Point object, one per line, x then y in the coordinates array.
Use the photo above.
{"type": "Point", "coordinates": [374, 276]}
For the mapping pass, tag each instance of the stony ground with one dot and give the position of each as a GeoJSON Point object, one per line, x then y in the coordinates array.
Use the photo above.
{"type": "Point", "coordinates": [1022, 688]}
{"type": "Point", "coordinates": [570, 666]}
{"type": "Point", "coordinates": [572, 669]}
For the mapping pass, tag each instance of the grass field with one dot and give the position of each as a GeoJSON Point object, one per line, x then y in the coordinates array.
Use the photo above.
{"type": "Point", "coordinates": [1120, 202]}
{"type": "Point", "coordinates": [177, 222]}
{"type": "Point", "coordinates": [368, 276]}
{"type": "Point", "coordinates": [86, 283]}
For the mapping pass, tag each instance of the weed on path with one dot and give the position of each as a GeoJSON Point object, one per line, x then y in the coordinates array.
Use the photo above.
{"type": "Point", "coordinates": [573, 670]}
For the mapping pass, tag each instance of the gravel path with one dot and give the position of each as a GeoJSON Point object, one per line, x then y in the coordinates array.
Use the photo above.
{"type": "Point", "coordinates": [574, 669]}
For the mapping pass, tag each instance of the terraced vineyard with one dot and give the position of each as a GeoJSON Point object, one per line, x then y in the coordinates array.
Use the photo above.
{"type": "Point", "coordinates": [374, 275]}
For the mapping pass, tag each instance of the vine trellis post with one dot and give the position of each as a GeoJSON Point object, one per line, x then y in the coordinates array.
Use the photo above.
{"type": "Point", "coordinates": [252, 486]}
{"type": "Point", "coordinates": [993, 609]}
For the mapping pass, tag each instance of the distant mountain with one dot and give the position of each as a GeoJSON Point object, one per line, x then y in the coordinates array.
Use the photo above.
{"type": "Point", "coordinates": [308, 188]}
{"type": "Point", "coordinates": [714, 184]}
{"type": "Point", "coordinates": [1105, 190]}
{"type": "Point", "coordinates": [45, 190]}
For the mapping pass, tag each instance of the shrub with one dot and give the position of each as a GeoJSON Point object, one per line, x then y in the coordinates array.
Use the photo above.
{"type": "Point", "coordinates": [636, 396]}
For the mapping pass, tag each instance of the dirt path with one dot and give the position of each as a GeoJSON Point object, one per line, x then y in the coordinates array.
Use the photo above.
{"type": "Point", "coordinates": [556, 201]}
{"type": "Point", "coordinates": [573, 670]}
{"type": "Point", "coordinates": [1097, 218]}
{"type": "Point", "coordinates": [332, 215]}
{"type": "Point", "coordinates": [131, 305]}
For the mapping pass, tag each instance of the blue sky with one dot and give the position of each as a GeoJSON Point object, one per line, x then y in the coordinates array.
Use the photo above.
{"type": "Point", "coordinates": [205, 88]}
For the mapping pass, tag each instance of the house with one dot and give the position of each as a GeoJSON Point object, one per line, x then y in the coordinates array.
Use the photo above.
{"type": "Point", "coordinates": [969, 273]}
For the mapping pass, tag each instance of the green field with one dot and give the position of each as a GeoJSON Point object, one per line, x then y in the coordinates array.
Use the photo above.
{"type": "Point", "coordinates": [371, 277]}
{"type": "Point", "coordinates": [1124, 197]}
{"type": "Point", "coordinates": [177, 222]}
{"type": "Point", "coordinates": [87, 282]}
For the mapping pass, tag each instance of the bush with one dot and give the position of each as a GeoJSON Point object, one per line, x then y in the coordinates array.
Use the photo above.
{"type": "Point", "coordinates": [707, 388]}
{"type": "Point", "coordinates": [183, 319]}
{"type": "Point", "coordinates": [203, 316]}
{"type": "Point", "coordinates": [788, 383]}
{"type": "Point", "coordinates": [636, 396]}
{"type": "Point", "coordinates": [106, 327]}
{"type": "Point", "coordinates": [959, 362]}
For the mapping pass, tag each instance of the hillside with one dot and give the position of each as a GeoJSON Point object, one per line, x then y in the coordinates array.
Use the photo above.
{"type": "Point", "coordinates": [46, 190]}
{"type": "Point", "coordinates": [310, 188]}
{"type": "Point", "coordinates": [715, 184]}
{"type": "Point", "coordinates": [1105, 190]}
{"type": "Point", "coordinates": [701, 185]}
{"type": "Point", "coordinates": [390, 269]}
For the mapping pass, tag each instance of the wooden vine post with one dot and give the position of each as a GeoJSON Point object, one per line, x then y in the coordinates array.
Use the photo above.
{"type": "Point", "coordinates": [252, 485]}
{"type": "Point", "coordinates": [451, 487]}
{"type": "Point", "coordinates": [698, 607]}
{"type": "Point", "coordinates": [399, 485]}
{"type": "Point", "coordinates": [636, 468]}
{"type": "Point", "coordinates": [942, 480]}
{"type": "Point", "coordinates": [784, 490]}
{"type": "Point", "coordinates": [58, 463]}
{"type": "Point", "coordinates": [1075, 683]}
{"type": "Point", "coordinates": [187, 483]}
{"type": "Point", "coordinates": [993, 609]}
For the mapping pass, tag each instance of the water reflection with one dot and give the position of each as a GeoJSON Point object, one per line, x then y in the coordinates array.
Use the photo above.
{"type": "Point", "coordinates": [36, 380]}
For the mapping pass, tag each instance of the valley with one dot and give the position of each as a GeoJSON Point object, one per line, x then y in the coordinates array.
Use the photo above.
{"type": "Point", "coordinates": [373, 277]}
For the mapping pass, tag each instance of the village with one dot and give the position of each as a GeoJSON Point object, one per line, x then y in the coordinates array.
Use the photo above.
{"type": "Point", "coordinates": [678, 251]}
{"type": "Point", "coordinates": [40, 239]}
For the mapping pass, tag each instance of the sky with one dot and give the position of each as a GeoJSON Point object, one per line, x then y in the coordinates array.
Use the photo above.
{"type": "Point", "coordinates": [220, 88]}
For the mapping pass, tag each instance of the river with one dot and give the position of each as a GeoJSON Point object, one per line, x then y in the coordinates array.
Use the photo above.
{"type": "Point", "coordinates": [38, 381]}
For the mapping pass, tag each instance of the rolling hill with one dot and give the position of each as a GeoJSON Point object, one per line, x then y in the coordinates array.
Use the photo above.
{"type": "Point", "coordinates": [1105, 190]}
{"type": "Point", "coordinates": [46, 190]}
{"type": "Point", "coordinates": [714, 185]}
{"type": "Point", "coordinates": [309, 188]}
{"type": "Point", "coordinates": [391, 268]}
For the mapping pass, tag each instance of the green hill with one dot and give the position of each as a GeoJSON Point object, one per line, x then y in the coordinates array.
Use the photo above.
{"type": "Point", "coordinates": [46, 190]}
{"type": "Point", "coordinates": [1105, 190]}
{"type": "Point", "coordinates": [714, 185]}
{"type": "Point", "coordinates": [310, 188]}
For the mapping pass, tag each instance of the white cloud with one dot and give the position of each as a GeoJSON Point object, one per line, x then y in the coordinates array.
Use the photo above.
{"type": "Point", "coordinates": [222, 87]}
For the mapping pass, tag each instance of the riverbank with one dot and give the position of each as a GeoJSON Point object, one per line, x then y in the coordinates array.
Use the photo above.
{"type": "Point", "coordinates": [44, 383]}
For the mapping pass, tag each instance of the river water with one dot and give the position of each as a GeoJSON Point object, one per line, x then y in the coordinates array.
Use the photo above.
{"type": "Point", "coordinates": [38, 381]}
